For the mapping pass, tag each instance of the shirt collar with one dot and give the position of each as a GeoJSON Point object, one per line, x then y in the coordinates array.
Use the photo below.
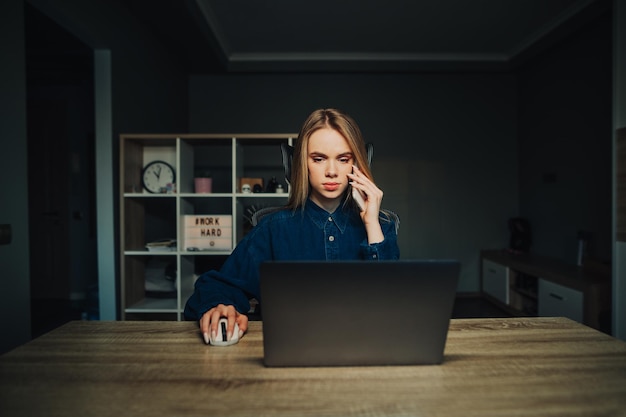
{"type": "Point", "coordinates": [319, 216]}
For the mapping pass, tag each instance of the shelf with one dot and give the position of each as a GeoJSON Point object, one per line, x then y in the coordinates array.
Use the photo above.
{"type": "Point", "coordinates": [148, 195]}
{"type": "Point", "coordinates": [205, 195]}
{"type": "Point", "coordinates": [146, 217]}
{"type": "Point", "coordinates": [525, 293]}
{"type": "Point", "coordinates": [146, 252]}
{"type": "Point", "coordinates": [154, 305]}
{"type": "Point", "coordinates": [205, 252]}
{"type": "Point", "coordinates": [261, 195]}
{"type": "Point", "coordinates": [174, 253]}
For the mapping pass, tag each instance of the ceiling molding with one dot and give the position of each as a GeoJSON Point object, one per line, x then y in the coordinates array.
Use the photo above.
{"type": "Point", "coordinates": [364, 57]}
{"type": "Point", "coordinates": [234, 60]}
{"type": "Point", "coordinates": [363, 62]}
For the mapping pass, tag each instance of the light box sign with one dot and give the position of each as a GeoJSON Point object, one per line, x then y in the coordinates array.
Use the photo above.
{"type": "Point", "coordinates": [206, 232]}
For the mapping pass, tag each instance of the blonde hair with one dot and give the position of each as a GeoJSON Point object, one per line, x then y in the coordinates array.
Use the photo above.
{"type": "Point", "coordinates": [320, 119]}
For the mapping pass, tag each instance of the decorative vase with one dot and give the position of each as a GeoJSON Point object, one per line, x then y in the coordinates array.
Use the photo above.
{"type": "Point", "coordinates": [203, 185]}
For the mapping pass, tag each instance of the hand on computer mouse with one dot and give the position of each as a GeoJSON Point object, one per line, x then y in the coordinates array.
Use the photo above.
{"type": "Point", "coordinates": [210, 322]}
{"type": "Point", "coordinates": [221, 337]}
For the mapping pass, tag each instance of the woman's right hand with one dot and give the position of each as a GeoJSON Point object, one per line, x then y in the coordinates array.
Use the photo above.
{"type": "Point", "coordinates": [209, 321]}
{"type": "Point", "coordinates": [370, 212]}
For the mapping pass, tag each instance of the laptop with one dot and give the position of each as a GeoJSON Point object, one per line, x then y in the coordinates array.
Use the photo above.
{"type": "Point", "coordinates": [356, 313]}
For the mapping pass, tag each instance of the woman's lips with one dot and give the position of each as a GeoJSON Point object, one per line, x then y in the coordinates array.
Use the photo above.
{"type": "Point", "coordinates": [331, 186]}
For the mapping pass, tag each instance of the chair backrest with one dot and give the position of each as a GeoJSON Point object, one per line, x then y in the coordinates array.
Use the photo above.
{"type": "Point", "coordinates": [260, 213]}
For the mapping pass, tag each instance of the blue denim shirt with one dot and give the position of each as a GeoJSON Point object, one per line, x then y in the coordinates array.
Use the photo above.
{"type": "Point", "coordinates": [308, 234]}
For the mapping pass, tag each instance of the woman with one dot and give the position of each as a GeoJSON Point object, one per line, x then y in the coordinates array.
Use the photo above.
{"type": "Point", "coordinates": [320, 222]}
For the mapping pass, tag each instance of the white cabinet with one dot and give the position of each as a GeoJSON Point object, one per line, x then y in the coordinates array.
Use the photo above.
{"type": "Point", "coordinates": [558, 301]}
{"type": "Point", "coordinates": [496, 280]}
{"type": "Point", "coordinates": [155, 284]}
{"type": "Point", "coordinates": [531, 285]}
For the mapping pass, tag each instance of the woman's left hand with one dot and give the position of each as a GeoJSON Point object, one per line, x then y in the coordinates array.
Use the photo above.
{"type": "Point", "coordinates": [373, 197]}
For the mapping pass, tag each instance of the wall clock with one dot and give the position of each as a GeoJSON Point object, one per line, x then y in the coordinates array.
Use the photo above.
{"type": "Point", "coordinates": [157, 175]}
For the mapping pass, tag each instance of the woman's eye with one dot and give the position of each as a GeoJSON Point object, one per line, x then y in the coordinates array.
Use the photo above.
{"type": "Point", "coordinates": [317, 159]}
{"type": "Point", "coordinates": [345, 160]}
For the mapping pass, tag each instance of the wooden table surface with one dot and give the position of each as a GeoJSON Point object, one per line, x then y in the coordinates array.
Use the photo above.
{"type": "Point", "coordinates": [492, 367]}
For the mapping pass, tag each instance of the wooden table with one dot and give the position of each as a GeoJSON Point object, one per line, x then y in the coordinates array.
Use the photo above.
{"type": "Point", "coordinates": [493, 367]}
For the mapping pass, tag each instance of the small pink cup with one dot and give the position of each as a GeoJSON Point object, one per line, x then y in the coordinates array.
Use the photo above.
{"type": "Point", "coordinates": [203, 185]}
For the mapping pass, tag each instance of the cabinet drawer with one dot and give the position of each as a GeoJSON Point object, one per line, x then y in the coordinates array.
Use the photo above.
{"type": "Point", "coordinates": [496, 280]}
{"type": "Point", "coordinates": [558, 301]}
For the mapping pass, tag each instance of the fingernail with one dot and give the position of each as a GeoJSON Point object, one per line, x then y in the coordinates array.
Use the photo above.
{"type": "Point", "coordinates": [240, 333]}
{"type": "Point", "coordinates": [229, 335]}
{"type": "Point", "coordinates": [213, 334]}
{"type": "Point", "coordinates": [206, 337]}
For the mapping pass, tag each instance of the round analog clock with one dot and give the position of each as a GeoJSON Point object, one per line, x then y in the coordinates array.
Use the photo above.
{"type": "Point", "coordinates": [157, 175]}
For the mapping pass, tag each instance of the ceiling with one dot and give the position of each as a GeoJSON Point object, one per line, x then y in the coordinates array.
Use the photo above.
{"type": "Point", "coordinates": [360, 35]}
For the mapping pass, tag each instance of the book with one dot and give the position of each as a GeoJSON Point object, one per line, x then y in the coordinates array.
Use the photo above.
{"type": "Point", "coordinates": [162, 245]}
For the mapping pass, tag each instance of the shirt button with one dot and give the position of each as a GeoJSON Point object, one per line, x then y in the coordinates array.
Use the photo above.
{"type": "Point", "coordinates": [374, 256]}
{"type": "Point", "coordinates": [330, 219]}
{"type": "Point", "coordinates": [331, 238]}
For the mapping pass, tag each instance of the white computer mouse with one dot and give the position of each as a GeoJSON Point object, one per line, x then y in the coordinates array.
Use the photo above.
{"type": "Point", "coordinates": [220, 337]}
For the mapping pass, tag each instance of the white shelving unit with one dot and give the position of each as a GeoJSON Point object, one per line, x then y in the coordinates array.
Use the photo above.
{"type": "Point", "coordinates": [147, 217]}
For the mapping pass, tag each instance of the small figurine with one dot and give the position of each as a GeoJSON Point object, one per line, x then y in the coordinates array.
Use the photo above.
{"type": "Point", "coordinates": [271, 185]}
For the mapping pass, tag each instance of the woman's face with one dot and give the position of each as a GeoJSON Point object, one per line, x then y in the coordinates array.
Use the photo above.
{"type": "Point", "coordinates": [329, 161]}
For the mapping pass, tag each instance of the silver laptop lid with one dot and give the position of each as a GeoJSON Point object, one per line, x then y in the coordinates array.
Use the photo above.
{"type": "Point", "coordinates": [349, 313]}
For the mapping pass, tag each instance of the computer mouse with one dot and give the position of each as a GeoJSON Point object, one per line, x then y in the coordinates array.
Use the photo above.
{"type": "Point", "coordinates": [220, 337]}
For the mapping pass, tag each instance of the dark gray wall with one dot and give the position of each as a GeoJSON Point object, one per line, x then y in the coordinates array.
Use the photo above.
{"type": "Point", "coordinates": [148, 89]}
{"type": "Point", "coordinates": [149, 86]}
{"type": "Point", "coordinates": [14, 258]}
{"type": "Point", "coordinates": [619, 121]}
{"type": "Point", "coordinates": [445, 145]}
{"type": "Point", "coordinates": [458, 154]}
{"type": "Point", "coordinates": [566, 144]}
{"type": "Point", "coordinates": [149, 95]}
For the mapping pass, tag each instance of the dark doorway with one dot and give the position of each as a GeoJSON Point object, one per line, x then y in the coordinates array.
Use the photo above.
{"type": "Point", "coordinates": [60, 135]}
